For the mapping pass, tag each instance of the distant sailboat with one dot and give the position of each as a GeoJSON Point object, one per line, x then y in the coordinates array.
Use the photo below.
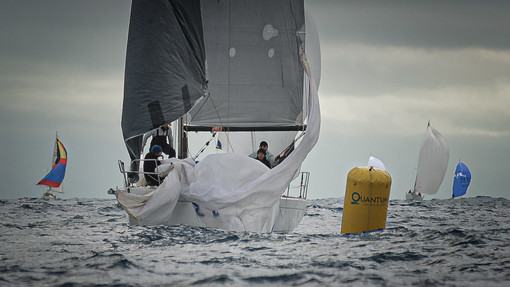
{"type": "Point", "coordinates": [432, 164]}
{"type": "Point", "coordinates": [375, 162]}
{"type": "Point", "coordinates": [55, 177]}
{"type": "Point", "coordinates": [461, 180]}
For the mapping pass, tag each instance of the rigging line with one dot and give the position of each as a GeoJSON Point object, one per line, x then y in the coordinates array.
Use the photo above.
{"type": "Point", "coordinates": [205, 145]}
{"type": "Point", "coordinates": [216, 111]}
{"type": "Point", "coordinates": [189, 152]}
{"type": "Point", "coordinates": [252, 141]}
{"type": "Point", "coordinates": [207, 96]}
{"type": "Point", "coordinates": [221, 123]}
{"type": "Point", "coordinates": [229, 143]}
{"type": "Point", "coordinates": [294, 141]}
{"type": "Point", "coordinates": [415, 176]}
{"type": "Point", "coordinates": [286, 149]}
{"type": "Point", "coordinates": [300, 135]}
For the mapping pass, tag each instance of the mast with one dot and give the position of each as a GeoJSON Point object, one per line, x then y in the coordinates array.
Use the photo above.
{"type": "Point", "coordinates": [60, 188]}
{"type": "Point", "coordinates": [182, 140]}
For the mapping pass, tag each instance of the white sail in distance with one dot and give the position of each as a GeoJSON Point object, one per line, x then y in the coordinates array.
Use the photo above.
{"type": "Point", "coordinates": [432, 162]}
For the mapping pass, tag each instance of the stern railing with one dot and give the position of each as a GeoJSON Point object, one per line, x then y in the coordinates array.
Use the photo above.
{"type": "Point", "coordinates": [142, 173]}
{"type": "Point", "coordinates": [302, 187]}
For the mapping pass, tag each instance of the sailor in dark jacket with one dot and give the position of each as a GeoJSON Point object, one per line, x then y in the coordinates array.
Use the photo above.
{"type": "Point", "coordinates": [150, 163]}
{"type": "Point", "coordinates": [261, 156]}
{"type": "Point", "coordinates": [163, 137]}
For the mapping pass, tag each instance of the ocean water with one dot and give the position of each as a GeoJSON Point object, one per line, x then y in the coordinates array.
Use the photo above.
{"type": "Point", "coordinates": [87, 242]}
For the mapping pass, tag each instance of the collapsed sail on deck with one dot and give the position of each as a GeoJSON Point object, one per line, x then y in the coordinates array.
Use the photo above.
{"type": "Point", "coordinates": [432, 162]}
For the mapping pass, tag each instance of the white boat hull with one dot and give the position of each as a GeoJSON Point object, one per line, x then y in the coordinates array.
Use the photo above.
{"type": "Point", "coordinates": [291, 212]}
{"type": "Point", "coordinates": [413, 196]}
{"type": "Point", "coordinates": [48, 195]}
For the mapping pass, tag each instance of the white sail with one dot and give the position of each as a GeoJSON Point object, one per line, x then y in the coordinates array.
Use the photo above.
{"type": "Point", "coordinates": [432, 162]}
{"type": "Point", "coordinates": [375, 162]}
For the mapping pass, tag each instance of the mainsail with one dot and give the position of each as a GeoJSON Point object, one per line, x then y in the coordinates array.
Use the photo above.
{"type": "Point", "coordinates": [165, 66]}
{"type": "Point", "coordinates": [461, 180]}
{"type": "Point", "coordinates": [255, 76]}
{"type": "Point", "coordinates": [234, 66]}
{"type": "Point", "coordinates": [432, 162]}
{"type": "Point", "coordinates": [55, 177]}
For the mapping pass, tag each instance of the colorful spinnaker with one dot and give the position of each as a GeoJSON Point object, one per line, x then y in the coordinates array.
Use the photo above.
{"type": "Point", "coordinates": [461, 180]}
{"type": "Point", "coordinates": [55, 177]}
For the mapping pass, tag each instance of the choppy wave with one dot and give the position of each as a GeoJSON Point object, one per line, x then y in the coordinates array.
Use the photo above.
{"type": "Point", "coordinates": [87, 242]}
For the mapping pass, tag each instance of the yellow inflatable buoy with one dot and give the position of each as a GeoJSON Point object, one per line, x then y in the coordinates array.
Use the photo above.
{"type": "Point", "coordinates": [366, 199]}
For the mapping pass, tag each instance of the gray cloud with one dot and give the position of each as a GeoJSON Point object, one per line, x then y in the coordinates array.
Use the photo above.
{"type": "Point", "coordinates": [85, 33]}
{"type": "Point", "coordinates": [366, 69]}
{"type": "Point", "coordinates": [425, 24]}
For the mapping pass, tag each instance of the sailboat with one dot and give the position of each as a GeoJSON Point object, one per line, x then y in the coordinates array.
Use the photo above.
{"type": "Point", "coordinates": [55, 177]}
{"type": "Point", "coordinates": [461, 180]}
{"type": "Point", "coordinates": [248, 70]}
{"type": "Point", "coordinates": [432, 164]}
{"type": "Point", "coordinates": [375, 162]}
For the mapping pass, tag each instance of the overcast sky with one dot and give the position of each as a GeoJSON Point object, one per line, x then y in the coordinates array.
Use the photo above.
{"type": "Point", "coordinates": [388, 67]}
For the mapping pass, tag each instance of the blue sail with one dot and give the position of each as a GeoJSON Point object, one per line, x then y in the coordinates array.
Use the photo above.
{"type": "Point", "coordinates": [461, 180]}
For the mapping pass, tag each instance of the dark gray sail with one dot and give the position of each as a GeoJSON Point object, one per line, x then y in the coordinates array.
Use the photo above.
{"type": "Point", "coordinates": [165, 66]}
{"type": "Point", "coordinates": [255, 78]}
